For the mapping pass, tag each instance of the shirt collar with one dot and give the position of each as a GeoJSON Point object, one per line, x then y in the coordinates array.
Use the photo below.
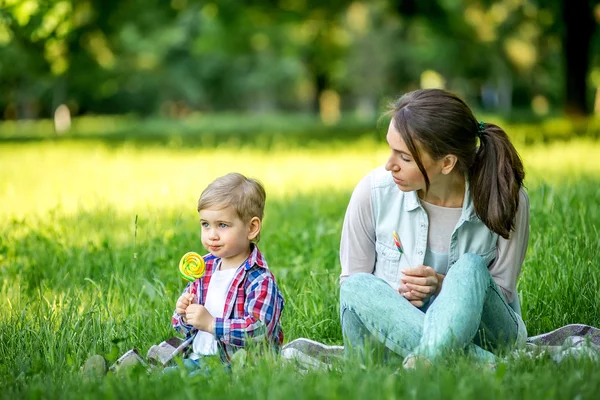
{"type": "Point", "coordinates": [468, 209]}
{"type": "Point", "coordinates": [255, 258]}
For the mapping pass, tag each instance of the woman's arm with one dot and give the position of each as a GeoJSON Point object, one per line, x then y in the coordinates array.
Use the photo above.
{"type": "Point", "coordinates": [510, 253]}
{"type": "Point", "coordinates": [357, 246]}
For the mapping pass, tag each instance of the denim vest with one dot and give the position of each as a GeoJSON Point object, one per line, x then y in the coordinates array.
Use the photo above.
{"type": "Point", "coordinates": [401, 212]}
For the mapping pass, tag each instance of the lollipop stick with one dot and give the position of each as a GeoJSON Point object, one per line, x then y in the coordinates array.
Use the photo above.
{"type": "Point", "coordinates": [400, 248]}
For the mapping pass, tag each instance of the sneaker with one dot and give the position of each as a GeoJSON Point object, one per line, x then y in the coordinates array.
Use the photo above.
{"type": "Point", "coordinates": [304, 361]}
{"type": "Point", "coordinates": [311, 354]}
{"type": "Point", "coordinates": [162, 354]}
{"type": "Point", "coordinates": [95, 367]}
{"type": "Point", "coordinates": [129, 361]}
{"type": "Point", "coordinates": [413, 362]}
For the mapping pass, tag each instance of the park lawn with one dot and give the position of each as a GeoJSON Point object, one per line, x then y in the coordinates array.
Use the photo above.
{"type": "Point", "coordinates": [80, 276]}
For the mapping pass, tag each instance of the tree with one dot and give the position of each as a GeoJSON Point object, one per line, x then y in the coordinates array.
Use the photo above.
{"type": "Point", "coordinates": [575, 25]}
{"type": "Point", "coordinates": [579, 27]}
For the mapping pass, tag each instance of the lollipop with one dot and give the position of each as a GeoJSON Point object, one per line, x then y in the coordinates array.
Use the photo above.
{"type": "Point", "coordinates": [191, 266]}
{"type": "Point", "coordinates": [397, 242]}
{"type": "Point", "coordinates": [399, 246]}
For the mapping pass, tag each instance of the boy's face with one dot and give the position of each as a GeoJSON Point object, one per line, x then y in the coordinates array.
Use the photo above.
{"type": "Point", "coordinates": [226, 236]}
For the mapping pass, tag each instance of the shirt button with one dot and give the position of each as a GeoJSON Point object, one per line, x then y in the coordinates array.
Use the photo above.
{"type": "Point", "coordinates": [423, 226]}
{"type": "Point", "coordinates": [420, 253]}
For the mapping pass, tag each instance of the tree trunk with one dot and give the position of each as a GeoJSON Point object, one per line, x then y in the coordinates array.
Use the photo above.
{"type": "Point", "coordinates": [320, 82]}
{"type": "Point", "coordinates": [579, 28]}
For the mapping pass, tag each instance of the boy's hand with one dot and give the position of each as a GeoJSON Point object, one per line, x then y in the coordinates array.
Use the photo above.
{"type": "Point", "coordinates": [198, 316]}
{"type": "Point", "coordinates": [183, 302]}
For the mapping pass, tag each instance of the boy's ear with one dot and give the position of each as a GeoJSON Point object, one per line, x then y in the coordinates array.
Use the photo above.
{"type": "Point", "coordinates": [254, 228]}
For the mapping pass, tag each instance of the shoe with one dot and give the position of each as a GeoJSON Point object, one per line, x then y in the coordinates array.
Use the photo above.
{"type": "Point", "coordinates": [163, 354]}
{"type": "Point", "coordinates": [415, 361]}
{"type": "Point", "coordinates": [304, 361]}
{"type": "Point", "coordinates": [160, 354]}
{"type": "Point", "coordinates": [311, 354]}
{"type": "Point", "coordinates": [129, 361]}
{"type": "Point", "coordinates": [95, 367]}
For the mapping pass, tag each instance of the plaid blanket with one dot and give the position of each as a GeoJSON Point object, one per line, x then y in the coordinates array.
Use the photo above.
{"type": "Point", "coordinates": [573, 340]}
{"type": "Point", "coordinates": [568, 341]}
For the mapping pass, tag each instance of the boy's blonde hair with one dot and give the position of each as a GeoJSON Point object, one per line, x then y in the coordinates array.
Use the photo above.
{"type": "Point", "coordinates": [245, 195]}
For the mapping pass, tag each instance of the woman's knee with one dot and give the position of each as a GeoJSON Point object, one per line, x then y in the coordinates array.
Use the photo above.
{"type": "Point", "coordinates": [470, 267]}
{"type": "Point", "coordinates": [471, 262]}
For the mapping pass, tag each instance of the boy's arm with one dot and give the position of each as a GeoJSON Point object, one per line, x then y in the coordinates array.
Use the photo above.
{"type": "Point", "coordinates": [262, 311]}
{"type": "Point", "coordinates": [177, 320]}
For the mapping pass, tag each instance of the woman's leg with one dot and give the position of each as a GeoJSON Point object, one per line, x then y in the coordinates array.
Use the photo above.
{"type": "Point", "coordinates": [374, 314]}
{"type": "Point", "coordinates": [470, 306]}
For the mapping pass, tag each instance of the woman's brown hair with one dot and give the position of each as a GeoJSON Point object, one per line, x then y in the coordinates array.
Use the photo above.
{"type": "Point", "coordinates": [443, 124]}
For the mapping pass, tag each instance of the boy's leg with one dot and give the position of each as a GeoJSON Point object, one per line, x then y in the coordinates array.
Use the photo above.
{"type": "Point", "coordinates": [197, 366]}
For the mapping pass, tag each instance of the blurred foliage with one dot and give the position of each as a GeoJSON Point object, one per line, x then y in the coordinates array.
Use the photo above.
{"type": "Point", "coordinates": [178, 57]}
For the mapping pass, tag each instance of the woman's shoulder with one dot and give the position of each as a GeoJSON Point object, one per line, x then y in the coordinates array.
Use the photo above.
{"type": "Point", "coordinates": [380, 177]}
{"type": "Point", "coordinates": [523, 209]}
{"type": "Point", "coordinates": [523, 197]}
{"type": "Point", "coordinates": [377, 188]}
{"type": "Point", "coordinates": [376, 178]}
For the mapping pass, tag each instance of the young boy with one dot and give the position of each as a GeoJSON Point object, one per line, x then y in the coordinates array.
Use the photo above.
{"type": "Point", "coordinates": [237, 300]}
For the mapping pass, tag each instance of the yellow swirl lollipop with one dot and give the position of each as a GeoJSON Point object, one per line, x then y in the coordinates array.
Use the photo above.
{"type": "Point", "coordinates": [191, 266]}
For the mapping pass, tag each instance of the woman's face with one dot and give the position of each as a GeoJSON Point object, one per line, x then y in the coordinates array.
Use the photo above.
{"type": "Point", "coordinates": [403, 166]}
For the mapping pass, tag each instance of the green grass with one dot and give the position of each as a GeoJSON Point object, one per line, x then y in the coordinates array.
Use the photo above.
{"type": "Point", "coordinates": [80, 277]}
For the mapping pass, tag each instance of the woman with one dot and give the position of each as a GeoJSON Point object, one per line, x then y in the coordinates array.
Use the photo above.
{"type": "Point", "coordinates": [432, 244]}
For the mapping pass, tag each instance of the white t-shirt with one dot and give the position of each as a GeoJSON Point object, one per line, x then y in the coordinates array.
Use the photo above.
{"type": "Point", "coordinates": [205, 343]}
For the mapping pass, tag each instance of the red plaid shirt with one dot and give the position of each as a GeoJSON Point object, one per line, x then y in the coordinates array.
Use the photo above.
{"type": "Point", "coordinates": [253, 306]}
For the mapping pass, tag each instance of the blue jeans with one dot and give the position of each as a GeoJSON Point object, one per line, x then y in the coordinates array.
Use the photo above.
{"type": "Point", "coordinates": [469, 313]}
{"type": "Point", "coordinates": [199, 366]}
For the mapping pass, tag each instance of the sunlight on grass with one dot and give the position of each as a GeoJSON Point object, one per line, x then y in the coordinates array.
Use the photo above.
{"type": "Point", "coordinates": [561, 162]}
{"type": "Point", "coordinates": [79, 277]}
{"type": "Point", "coordinates": [36, 178]}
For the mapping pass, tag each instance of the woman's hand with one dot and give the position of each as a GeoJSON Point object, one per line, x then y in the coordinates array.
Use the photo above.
{"type": "Point", "coordinates": [420, 283]}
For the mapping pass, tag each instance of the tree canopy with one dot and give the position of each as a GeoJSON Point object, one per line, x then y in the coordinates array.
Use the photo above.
{"type": "Point", "coordinates": [180, 56]}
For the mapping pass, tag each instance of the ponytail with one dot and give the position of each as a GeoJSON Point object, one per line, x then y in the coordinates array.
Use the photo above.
{"type": "Point", "coordinates": [496, 176]}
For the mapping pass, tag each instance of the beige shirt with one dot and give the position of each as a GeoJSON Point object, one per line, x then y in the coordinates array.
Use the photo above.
{"type": "Point", "coordinates": [357, 247]}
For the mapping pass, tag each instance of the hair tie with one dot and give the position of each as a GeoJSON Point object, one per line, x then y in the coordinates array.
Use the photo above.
{"type": "Point", "coordinates": [480, 129]}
